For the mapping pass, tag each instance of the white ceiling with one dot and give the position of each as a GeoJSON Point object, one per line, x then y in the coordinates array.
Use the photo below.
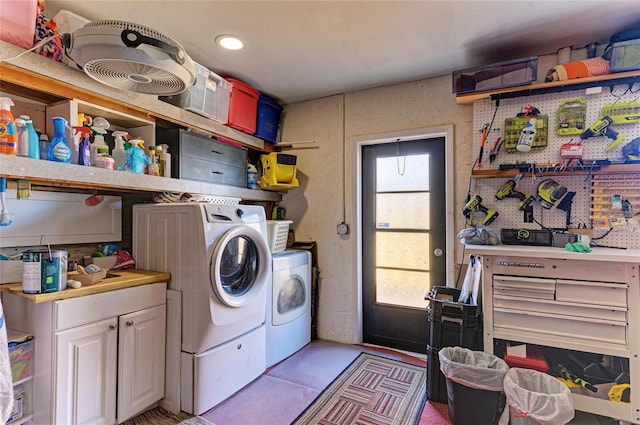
{"type": "Point", "coordinates": [300, 50]}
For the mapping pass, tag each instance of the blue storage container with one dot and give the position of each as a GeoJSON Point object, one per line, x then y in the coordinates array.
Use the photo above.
{"type": "Point", "coordinates": [268, 119]}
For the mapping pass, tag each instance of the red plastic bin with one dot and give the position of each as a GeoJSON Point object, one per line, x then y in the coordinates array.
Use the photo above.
{"type": "Point", "coordinates": [243, 106]}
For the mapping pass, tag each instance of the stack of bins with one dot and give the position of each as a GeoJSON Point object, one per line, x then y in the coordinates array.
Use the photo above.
{"type": "Point", "coordinates": [451, 324]}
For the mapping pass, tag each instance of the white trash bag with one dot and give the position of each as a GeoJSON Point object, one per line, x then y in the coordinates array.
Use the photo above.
{"type": "Point", "coordinates": [473, 369]}
{"type": "Point", "coordinates": [535, 397]}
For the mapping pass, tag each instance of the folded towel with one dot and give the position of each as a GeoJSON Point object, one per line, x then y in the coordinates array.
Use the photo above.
{"type": "Point", "coordinates": [6, 383]}
{"type": "Point", "coordinates": [578, 69]}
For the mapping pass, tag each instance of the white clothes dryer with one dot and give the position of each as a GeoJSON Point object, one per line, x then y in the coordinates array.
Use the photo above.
{"type": "Point", "coordinates": [220, 267]}
{"type": "Point", "coordinates": [289, 306]}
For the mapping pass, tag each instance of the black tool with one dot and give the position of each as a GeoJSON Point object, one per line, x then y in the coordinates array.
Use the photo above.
{"type": "Point", "coordinates": [565, 205]}
{"type": "Point", "coordinates": [495, 150]}
{"type": "Point", "coordinates": [475, 204]}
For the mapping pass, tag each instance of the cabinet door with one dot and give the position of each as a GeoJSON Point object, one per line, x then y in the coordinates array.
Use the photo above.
{"type": "Point", "coordinates": [85, 380]}
{"type": "Point", "coordinates": [141, 349]}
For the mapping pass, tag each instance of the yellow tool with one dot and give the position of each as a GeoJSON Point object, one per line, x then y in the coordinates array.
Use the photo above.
{"type": "Point", "coordinates": [620, 393]}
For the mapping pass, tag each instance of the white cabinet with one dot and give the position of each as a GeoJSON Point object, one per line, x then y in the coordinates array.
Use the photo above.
{"type": "Point", "coordinates": [100, 359]}
{"type": "Point", "coordinates": [141, 342]}
{"type": "Point", "coordinates": [86, 371]}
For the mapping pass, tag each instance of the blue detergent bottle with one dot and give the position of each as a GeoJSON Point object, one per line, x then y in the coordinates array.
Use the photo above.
{"type": "Point", "coordinates": [59, 150]}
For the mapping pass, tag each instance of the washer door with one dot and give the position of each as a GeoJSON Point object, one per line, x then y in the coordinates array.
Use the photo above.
{"type": "Point", "coordinates": [239, 266]}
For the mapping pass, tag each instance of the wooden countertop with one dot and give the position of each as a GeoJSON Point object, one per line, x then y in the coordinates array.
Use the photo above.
{"type": "Point", "coordinates": [116, 279]}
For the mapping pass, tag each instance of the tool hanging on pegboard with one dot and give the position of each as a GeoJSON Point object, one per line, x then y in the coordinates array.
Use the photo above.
{"type": "Point", "coordinates": [571, 117]}
{"type": "Point", "coordinates": [513, 129]}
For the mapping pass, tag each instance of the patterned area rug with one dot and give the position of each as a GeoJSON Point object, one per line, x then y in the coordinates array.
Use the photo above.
{"type": "Point", "coordinates": [159, 416]}
{"type": "Point", "coordinates": [372, 390]}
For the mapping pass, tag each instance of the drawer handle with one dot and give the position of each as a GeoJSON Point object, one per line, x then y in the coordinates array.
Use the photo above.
{"type": "Point", "coordinates": [217, 152]}
{"type": "Point", "coordinates": [129, 323]}
{"type": "Point", "coordinates": [112, 327]}
{"type": "Point", "coordinates": [217, 172]}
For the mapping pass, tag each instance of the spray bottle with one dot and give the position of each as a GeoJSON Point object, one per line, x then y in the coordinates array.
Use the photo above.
{"type": "Point", "coordinates": [8, 132]}
{"type": "Point", "coordinates": [118, 152]}
{"type": "Point", "coordinates": [59, 150]}
{"type": "Point", "coordinates": [153, 168]}
{"type": "Point", "coordinates": [98, 147]}
{"type": "Point", "coordinates": [84, 151]}
{"type": "Point", "coordinates": [136, 159]}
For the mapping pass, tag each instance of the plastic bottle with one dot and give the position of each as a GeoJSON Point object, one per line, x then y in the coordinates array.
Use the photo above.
{"type": "Point", "coordinates": [527, 135]}
{"type": "Point", "coordinates": [34, 144]}
{"type": "Point", "coordinates": [59, 150]}
{"type": "Point", "coordinates": [252, 177]}
{"type": "Point", "coordinates": [165, 160]}
{"type": "Point", "coordinates": [43, 141]}
{"type": "Point", "coordinates": [118, 152]}
{"type": "Point", "coordinates": [8, 131]}
{"type": "Point", "coordinates": [98, 147]}
{"type": "Point", "coordinates": [153, 168]}
{"type": "Point", "coordinates": [23, 137]}
{"type": "Point", "coordinates": [84, 151]}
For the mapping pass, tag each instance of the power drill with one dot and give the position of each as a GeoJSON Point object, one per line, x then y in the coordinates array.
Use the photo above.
{"type": "Point", "coordinates": [602, 128]}
{"type": "Point", "coordinates": [475, 204]}
{"type": "Point", "coordinates": [508, 190]}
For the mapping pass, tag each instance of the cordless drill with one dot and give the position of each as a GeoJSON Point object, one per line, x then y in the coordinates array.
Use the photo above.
{"type": "Point", "coordinates": [602, 127]}
{"type": "Point", "coordinates": [508, 190]}
{"type": "Point", "coordinates": [475, 204]}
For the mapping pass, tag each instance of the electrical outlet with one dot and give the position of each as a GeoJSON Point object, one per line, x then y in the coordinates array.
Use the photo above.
{"type": "Point", "coordinates": [528, 214]}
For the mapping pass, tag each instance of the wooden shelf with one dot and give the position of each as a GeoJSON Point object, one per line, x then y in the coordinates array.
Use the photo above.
{"type": "Point", "coordinates": [56, 174]}
{"type": "Point", "coordinates": [613, 169]}
{"type": "Point", "coordinates": [555, 86]}
{"type": "Point", "coordinates": [38, 77]}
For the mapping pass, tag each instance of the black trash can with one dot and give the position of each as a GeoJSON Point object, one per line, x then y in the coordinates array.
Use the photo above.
{"type": "Point", "coordinates": [475, 380]}
{"type": "Point", "coordinates": [450, 324]}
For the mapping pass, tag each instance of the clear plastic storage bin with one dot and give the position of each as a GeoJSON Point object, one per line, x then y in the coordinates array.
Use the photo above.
{"type": "Point", "coordinates": [498, 75]}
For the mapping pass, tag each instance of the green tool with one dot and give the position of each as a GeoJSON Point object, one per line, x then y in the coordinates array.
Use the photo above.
{"type": "Point", "coordinates": [570, 117]}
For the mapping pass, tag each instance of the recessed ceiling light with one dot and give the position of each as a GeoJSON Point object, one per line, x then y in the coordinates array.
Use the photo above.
{"type": "Point", "coordinates": [230, 42]}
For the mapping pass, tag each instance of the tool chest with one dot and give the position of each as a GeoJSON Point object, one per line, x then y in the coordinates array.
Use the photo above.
{"type": "Point", "coordinates": [573, 305]}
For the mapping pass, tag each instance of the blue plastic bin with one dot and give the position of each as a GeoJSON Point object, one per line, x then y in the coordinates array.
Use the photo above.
{"type": "Point", "coordinates": [268, 119]}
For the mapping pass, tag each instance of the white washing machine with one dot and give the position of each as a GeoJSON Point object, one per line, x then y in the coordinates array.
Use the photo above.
{"type": "Point", "coordinates": [220, 267]}
{"type": "Point", "coordinates": [289, 309]}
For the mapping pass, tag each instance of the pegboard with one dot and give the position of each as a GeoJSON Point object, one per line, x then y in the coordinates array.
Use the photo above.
{"type": "Point", "coordinates": [593, 148]}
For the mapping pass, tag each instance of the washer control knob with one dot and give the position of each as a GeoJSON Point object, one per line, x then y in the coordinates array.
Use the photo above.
{"type": "Point", "coordinates": [239, 213]}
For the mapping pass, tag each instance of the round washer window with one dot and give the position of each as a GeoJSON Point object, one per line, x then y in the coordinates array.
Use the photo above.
{"type": "Point", "coordinates": [239, 265]}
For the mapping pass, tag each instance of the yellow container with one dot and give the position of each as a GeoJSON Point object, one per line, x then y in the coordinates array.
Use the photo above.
{"type": "Point", "coordinates": [278, 171]}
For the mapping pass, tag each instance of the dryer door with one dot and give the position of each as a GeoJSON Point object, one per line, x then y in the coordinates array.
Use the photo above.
{"type": "Point", "coordinates": [239, 266]}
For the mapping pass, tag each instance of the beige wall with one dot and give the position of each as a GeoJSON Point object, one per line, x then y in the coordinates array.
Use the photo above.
{"type": "Point", "coordinates": [316, 207]}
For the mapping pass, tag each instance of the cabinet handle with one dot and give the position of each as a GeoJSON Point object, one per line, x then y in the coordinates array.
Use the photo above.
{"type": "Point", "coordinates": [129, 323]}
{"type": "Point", "coordinates": [112, 327]}
{"type": "Point", "coordinates": [217, 172]}
{"type": "Point", "coordinates": [217, 152]}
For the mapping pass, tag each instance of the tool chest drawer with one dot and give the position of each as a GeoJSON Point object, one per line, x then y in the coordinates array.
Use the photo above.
{"type": "Point", "coordinates": [618, 314]}
{"type": "Point", "coordinates": [525, 287]}
{"type": "Point", "coordinates": [599, 293]}
{"type": "Point", "coordinates": [559, 325]}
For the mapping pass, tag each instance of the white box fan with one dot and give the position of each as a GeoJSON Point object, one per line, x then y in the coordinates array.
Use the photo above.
{"type": "Point", "coordinates": [130, 57]}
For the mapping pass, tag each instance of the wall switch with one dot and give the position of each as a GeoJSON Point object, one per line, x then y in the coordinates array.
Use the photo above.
{"type": "Point", "coordinates": [528, 214]}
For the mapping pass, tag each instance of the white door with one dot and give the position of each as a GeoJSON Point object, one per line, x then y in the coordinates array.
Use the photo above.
{"type": "Point", "coordinates": [85, 385]}
{"type": "Point", "coordinates": [141, 355]}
